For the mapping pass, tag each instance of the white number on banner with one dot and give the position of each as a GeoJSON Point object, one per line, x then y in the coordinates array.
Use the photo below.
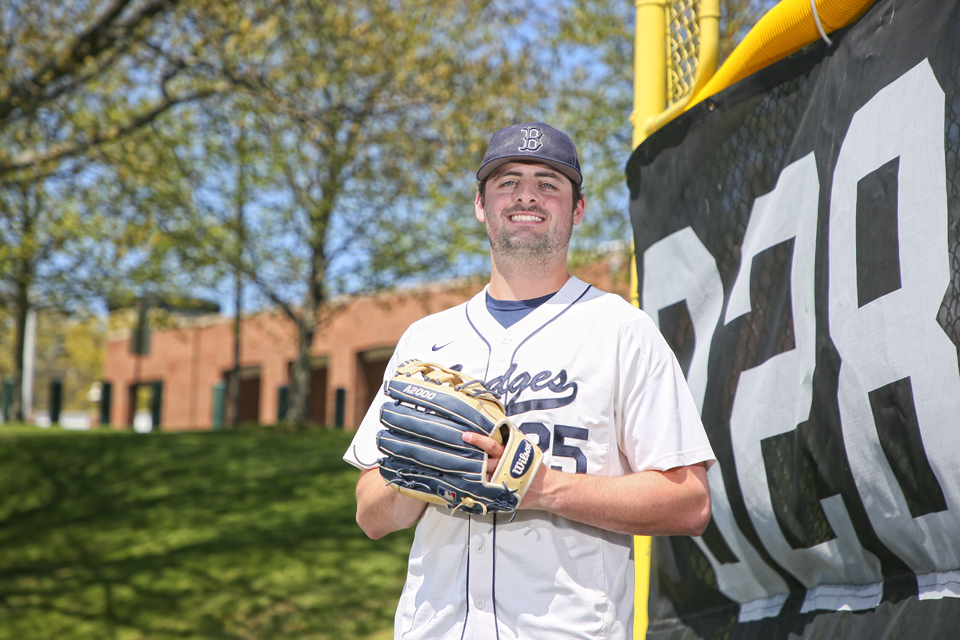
{"type": "Point", "coordinates": [891, 340]}
{"type": "Point", "coordinates": [751, 582]}
{"type": "Point", "coordinates": [679, 268]}
{"type": "Point", "coordinates": [774, 397]}
{"type": "Point", "coordinates": [897, 336]}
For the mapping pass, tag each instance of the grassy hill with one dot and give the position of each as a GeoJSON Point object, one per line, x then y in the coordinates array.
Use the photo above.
{"type": "Point", "coordinates": [244, 535]}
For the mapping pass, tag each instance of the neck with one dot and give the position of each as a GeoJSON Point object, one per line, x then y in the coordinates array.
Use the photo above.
{"type": "Point", "coordinates": [513, 281]}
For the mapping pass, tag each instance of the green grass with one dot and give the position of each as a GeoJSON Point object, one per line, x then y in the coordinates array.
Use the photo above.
{"type": "Point", "coordinates": [242, 535]}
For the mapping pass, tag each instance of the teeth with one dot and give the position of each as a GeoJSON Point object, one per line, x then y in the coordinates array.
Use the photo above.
{"type": "Point", "coordinates": [524, 218]}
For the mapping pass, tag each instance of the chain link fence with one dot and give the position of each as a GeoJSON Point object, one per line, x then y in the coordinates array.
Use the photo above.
{"type": "Point", "coordinates": [683, 42]}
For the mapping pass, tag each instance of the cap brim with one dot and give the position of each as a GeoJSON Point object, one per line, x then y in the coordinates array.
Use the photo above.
{"type": "Point", "coordinates": [570, 172]}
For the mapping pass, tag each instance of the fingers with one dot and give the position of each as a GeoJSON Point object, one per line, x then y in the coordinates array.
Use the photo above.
{"type": "Point", "coordinates": [492, 448]}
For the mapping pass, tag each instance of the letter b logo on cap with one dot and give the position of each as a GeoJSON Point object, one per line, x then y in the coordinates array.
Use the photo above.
{"type": "Point", "coordinates": [531, 139]}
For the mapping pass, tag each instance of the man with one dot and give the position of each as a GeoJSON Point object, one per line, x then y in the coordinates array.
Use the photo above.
{"type": "Point", "coordinates": [589, 378]}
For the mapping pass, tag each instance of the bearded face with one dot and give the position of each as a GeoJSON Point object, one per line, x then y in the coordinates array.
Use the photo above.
{"type": "Point", "coordinates": [529, 213]}
{"type": "Point", "coordinates": [528, 242]}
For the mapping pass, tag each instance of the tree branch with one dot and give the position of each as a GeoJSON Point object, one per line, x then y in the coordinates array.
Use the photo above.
{"type": "Point", "coordinates": [107, 31]}
{"type": "Point", "coordinates": [33, 158]}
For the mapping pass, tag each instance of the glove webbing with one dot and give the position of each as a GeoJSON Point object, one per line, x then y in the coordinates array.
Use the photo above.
{"type": "Point", "coordinates": [473, 388]}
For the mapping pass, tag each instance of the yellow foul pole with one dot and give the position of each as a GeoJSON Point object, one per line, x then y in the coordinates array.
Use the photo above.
{"type": "Point", "coordinates": [649, 99]}
{"type": "Point", "coordinates": [649, 65]}
{"type": "Point", "coordinates": [650, 112]}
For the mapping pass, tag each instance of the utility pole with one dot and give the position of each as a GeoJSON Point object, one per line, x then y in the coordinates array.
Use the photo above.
{"type": "Point", "coordinates": [29, 365]}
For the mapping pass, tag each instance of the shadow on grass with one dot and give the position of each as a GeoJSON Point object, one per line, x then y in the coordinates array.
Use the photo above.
{"type": "Point", "coordinates": [207, 535]}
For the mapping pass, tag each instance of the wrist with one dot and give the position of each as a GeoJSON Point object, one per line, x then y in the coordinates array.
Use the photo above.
{"type": "Point", "coordinates": [542, 491]}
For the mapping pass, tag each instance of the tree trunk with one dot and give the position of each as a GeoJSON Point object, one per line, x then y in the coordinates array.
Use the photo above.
{"type": "Point", "coordinates": [307, 324]}
{"type": "Point", "coordinates": [241, 197]}
{"type": "Point", "coordinates": [234, 390]}
{"type": "Point", "coordinates": [299, 407]}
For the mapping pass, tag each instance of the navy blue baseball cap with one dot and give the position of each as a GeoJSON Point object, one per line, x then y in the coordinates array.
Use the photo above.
{"type": "Point", "coordinates": [534, 142]}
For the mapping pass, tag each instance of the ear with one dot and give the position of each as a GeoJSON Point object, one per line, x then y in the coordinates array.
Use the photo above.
{"type": "Point", "coordinates": [478, 209]}
{"type": "Point", "coordinates": [579, 210]}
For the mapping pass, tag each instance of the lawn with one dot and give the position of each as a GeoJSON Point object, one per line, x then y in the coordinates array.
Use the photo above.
{"type": "Point", "coordinates": [244, 535]}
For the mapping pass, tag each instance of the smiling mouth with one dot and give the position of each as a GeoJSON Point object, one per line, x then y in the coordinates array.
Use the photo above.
{"type": "Point", "coordinates": [525, 217]}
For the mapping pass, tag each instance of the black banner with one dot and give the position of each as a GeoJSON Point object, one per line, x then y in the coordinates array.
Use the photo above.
{"type": "Point", "coordinates": [797, 242]}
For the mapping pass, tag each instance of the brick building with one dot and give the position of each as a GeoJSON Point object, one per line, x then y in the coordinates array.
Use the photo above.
{"type": "Point", "coordinates": [181, 383]}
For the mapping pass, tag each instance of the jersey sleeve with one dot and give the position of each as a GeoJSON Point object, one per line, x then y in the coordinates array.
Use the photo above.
{"type": "Point", "coordinates": [661, 427]}
{"type": "Point", "coordinates": [362, 452]}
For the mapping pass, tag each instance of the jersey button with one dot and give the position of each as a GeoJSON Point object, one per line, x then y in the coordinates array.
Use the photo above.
{"type": "Point", "coordinates": [480, 604]}
{"type": "Point", "coordinates": [481, 548]}
{"type": "Point", "coordinates": [501, 357]}
{"type": "Point", "coordinates": [506, 340]}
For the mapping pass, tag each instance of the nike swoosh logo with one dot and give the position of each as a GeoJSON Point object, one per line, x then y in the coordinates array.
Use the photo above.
{"type": "Point", "coordinates": [436, 348]}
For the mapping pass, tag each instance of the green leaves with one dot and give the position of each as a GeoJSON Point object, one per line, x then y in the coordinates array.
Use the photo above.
{"type": "Point", "coordinates": [311, 148]}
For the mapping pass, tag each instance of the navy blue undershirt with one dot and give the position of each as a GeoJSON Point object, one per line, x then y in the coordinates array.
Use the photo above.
{"type": "Point", "coordinates": [510, 312]}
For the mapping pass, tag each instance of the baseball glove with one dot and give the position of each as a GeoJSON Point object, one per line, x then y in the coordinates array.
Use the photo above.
{"type": "Point", "coordinates": [426, 457]}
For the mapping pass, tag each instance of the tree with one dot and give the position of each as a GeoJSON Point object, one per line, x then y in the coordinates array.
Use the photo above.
{"type": "Point", "coordinates": [368, 118]}
{"type": "Point", "coordinates": [70, 350]}
{"type": "Point", "coordinates": [363, 122]}
{"type": "Point", "coordinates": [592, 46]}
{"type": "Point", "coordinates": [31, 232]}
{"type": "Point", "coordinates": [201, 174]}
{"type": "Point", "coordinates": [63, 65]}
{"type": "Point", "coordinates": [76, 75]}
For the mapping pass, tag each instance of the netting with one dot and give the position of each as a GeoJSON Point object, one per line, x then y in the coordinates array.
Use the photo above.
{"type": "Point", "coordinates": [949, 316]}
{"type": "Point", "coordinates": [744, 168]}
{"type": "Point", "coordinates": [798, 464]}
{"type": "Point", "coordinates": [708, 173]}
{"type": "Point", "coordinates": [684, 48]}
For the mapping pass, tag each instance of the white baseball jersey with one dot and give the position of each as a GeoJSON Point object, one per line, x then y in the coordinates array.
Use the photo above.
{"type": "Point", "coordinates": [591, 379]}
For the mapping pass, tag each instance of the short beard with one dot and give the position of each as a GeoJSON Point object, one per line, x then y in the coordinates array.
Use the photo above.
{"type": "Point", "coordinates": [538, 250]}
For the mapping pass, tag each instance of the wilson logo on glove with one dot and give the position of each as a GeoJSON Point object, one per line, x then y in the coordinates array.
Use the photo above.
{"type": "Point", "coordinates": [521, 459]}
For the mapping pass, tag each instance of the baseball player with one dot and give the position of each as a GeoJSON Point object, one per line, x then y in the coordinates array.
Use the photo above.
{"type": "Point", "coordinates": [590, 380]}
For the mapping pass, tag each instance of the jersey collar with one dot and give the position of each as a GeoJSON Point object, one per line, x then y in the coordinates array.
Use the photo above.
{"type": "Point", "coordinates": [487, 325]}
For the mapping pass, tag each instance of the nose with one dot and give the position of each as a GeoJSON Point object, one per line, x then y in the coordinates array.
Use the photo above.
{"type": "Point", "coordinates": [527, 193]}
